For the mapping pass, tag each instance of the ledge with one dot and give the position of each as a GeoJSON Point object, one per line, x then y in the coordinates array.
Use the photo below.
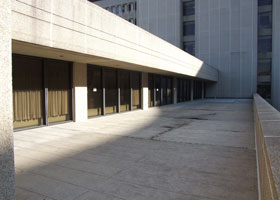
{"type": "Point", "coordinates": [267, 125]}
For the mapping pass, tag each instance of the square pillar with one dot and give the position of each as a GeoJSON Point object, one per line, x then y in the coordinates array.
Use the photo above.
{"type": "Point", "coordinates": [174, 90]}
{"type": "Point", "coordinates": [7, 169]}
{"type": "Point", "coordinates": [144, 91]}
{"type": "Point", "coordinates": [192, 90]}
{"type": "Point", "coordinates": [80, 92]}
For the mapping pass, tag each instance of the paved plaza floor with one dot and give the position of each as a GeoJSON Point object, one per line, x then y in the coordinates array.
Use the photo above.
{"type": "Point", "coordinates": [201, 150]}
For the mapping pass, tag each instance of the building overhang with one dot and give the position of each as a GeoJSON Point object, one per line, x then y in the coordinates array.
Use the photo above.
{"type": "Point", "coordinates": [89, 34]}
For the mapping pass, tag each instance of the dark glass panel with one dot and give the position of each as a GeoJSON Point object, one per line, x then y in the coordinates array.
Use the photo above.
{"type": "Point", "coordinates": [59, 90]}
{"type": "Point", "coordinates": [94, 86]}
{"type": "Point", "coordinates": [164, 90]}
{"type": "Point", "coordinates": [169, 91]}
{"type": "Point", "coordinates": [188, 28]}
{"type": "Point", "coordinates": [124, 90]}
{"type": "Point", "coordinates": [151, 90]}
{"type": "Point", "coordinates": [188, 8]}
{"type": "Point", "coordinates": [157, 90]}
{"type": "Point", "coordinates": [136, 95]}
{"type": "Point", "coordinates": [189, 47]}
{"type": "Point", "coordinates": [27, 91]}
{"type": "Point", "coordinates": [111, 93]}
{"type": "Point", "coordinates": [265, 44]}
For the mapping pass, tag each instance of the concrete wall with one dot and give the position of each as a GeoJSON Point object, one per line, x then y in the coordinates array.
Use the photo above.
{"type": "Point", "coordinates": [276, 55]}
{"type": "Point", "coordinates": [226, 38]}
{"type": "Point", "coordinates": [80, 92]}
{"type": "Point", "coordinates": [162, 18]}
{"type": "Point", "coordinates": [267, 126]}
{"type": "Point", "coordinates": [86, 33]}
{"type": "Point", "coordinates": [7, 183]}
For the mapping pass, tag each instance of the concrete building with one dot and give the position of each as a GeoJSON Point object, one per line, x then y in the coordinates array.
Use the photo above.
{"type": "Point", "coordinates": [233, 36]}
{"type": "Point", "coordinates": [68, 63]}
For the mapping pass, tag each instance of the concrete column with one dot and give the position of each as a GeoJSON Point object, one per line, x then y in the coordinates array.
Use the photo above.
{"type": "Point", "coordinates": [7, 170]}
{"type": "Point", "coordinates": [174, 90]}
{"type": "Point", "coordinates": [80, 92]}
{"type": "Point", "coordinates": [145, 91]}
{"type": "Point", "coordinates": [202, 91]}
{"type": "Point", "coordinates": [191, 90]}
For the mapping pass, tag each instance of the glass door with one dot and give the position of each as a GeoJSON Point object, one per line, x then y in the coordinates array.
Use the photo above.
{"type": "Point", "coordinates": [94, 86]}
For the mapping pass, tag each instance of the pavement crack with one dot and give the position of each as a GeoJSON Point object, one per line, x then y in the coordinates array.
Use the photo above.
{"type": "Point", "coordinates": [169, 128]}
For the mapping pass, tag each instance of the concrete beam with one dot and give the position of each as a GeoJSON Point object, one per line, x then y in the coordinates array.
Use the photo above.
{"type": "Point", "coordinates": [89, 34]}
{"type": "Point", "coordinates": [7, 182]}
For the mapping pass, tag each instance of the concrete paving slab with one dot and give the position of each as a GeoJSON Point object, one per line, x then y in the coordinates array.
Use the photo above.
{"type": "Point", "coordinates": [197, 150]}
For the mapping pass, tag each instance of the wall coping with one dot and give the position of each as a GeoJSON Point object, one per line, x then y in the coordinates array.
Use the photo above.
{"type": "Point", "coordinates": [269, 123]}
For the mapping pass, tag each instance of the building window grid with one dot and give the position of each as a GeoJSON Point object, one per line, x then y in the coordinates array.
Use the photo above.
{"type": "Point", "coordinates": [188, 26]}
{"type": "Point", "coordinates": [264, 48]}
{"type": "Point", "coordinates": [188, 8]}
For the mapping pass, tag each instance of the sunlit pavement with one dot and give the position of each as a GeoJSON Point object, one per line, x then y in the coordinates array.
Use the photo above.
{"type": "Point", "coordinates": [188, 151]}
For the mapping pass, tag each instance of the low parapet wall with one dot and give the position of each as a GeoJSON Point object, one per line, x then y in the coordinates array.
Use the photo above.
{"type": "Point", "coordinates": [267, 126]}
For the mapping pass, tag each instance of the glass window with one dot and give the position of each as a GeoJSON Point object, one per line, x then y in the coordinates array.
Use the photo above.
{"type": "Point", "coordinates": [117, 9]}
{"type": "Point", "coordinates": [188, 28]}
{"type": "Point", "coordinates": [264, 91]}
{"type": "Point", "coordinates": [157, 90]}
{"type": "Point", "coordinates": [28, 99]}
{"type": "Point", "coordinates": [129, 7]}
{"type": "Point", "coordinates": [111, 9]}
{"type": "Point", "coordinates": [59, 90]}
{"type": "Point", "coordinates": [169, 90]}
{"type": "Point", "coordinates": [164, 90]}
{"type": "Point", "coordinates": [94, 86]}
{"type": "Point", "coordinates": [265, 20]}
{"type": "Point", "coordinates": [136, 95]}
{"type": "Point", "coordinates": [111, 93]}
{"type": "Point", "coordinates": [123, 8]}
{"type": "Point", "coordinates": [188, 8]}
{"type": "Point", "coordinates": [124, 85]}
{"type": "Point", "coordinates": [151, 90]}
{"type": "Point", "coordinates": [264, 67]}
{"type": "Point", "coordinates": [264, 44]}
{"type": "Point", "coordinates": [189, 47]}
{"type": "Point", "coordinates": [265, 2]}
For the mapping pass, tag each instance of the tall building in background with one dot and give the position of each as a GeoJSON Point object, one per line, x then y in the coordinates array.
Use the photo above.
{"type": "Point", "coordinates": [234, 36]}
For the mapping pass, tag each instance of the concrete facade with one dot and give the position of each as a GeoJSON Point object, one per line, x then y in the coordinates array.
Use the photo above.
{"type": "Point", "coordinates": [276, 56]}
{"type": "Point", "coordinates": [161, 18]}
{"type": "Point", "coordinates": [226, 38]}
{"type": "Point", "coordinates": [81, 34]}
{"type": "Point", "coordinates": [88, 34]}
{"type": "Point", "coordinates": [7, 182]}
{"type": "Point", "coordinates": [226, 33]}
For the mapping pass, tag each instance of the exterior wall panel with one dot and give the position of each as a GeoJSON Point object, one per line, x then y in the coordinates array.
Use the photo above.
{"type": "Point", "coordinates": [226, 38]}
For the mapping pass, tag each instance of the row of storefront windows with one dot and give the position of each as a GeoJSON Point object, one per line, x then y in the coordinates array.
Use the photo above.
{"type": "Point", "coordinates": [42, 90]}
{"type": "Point", "coordinates": [116, 90]}
{"type": "Point", "coordinates": [160, 90]}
